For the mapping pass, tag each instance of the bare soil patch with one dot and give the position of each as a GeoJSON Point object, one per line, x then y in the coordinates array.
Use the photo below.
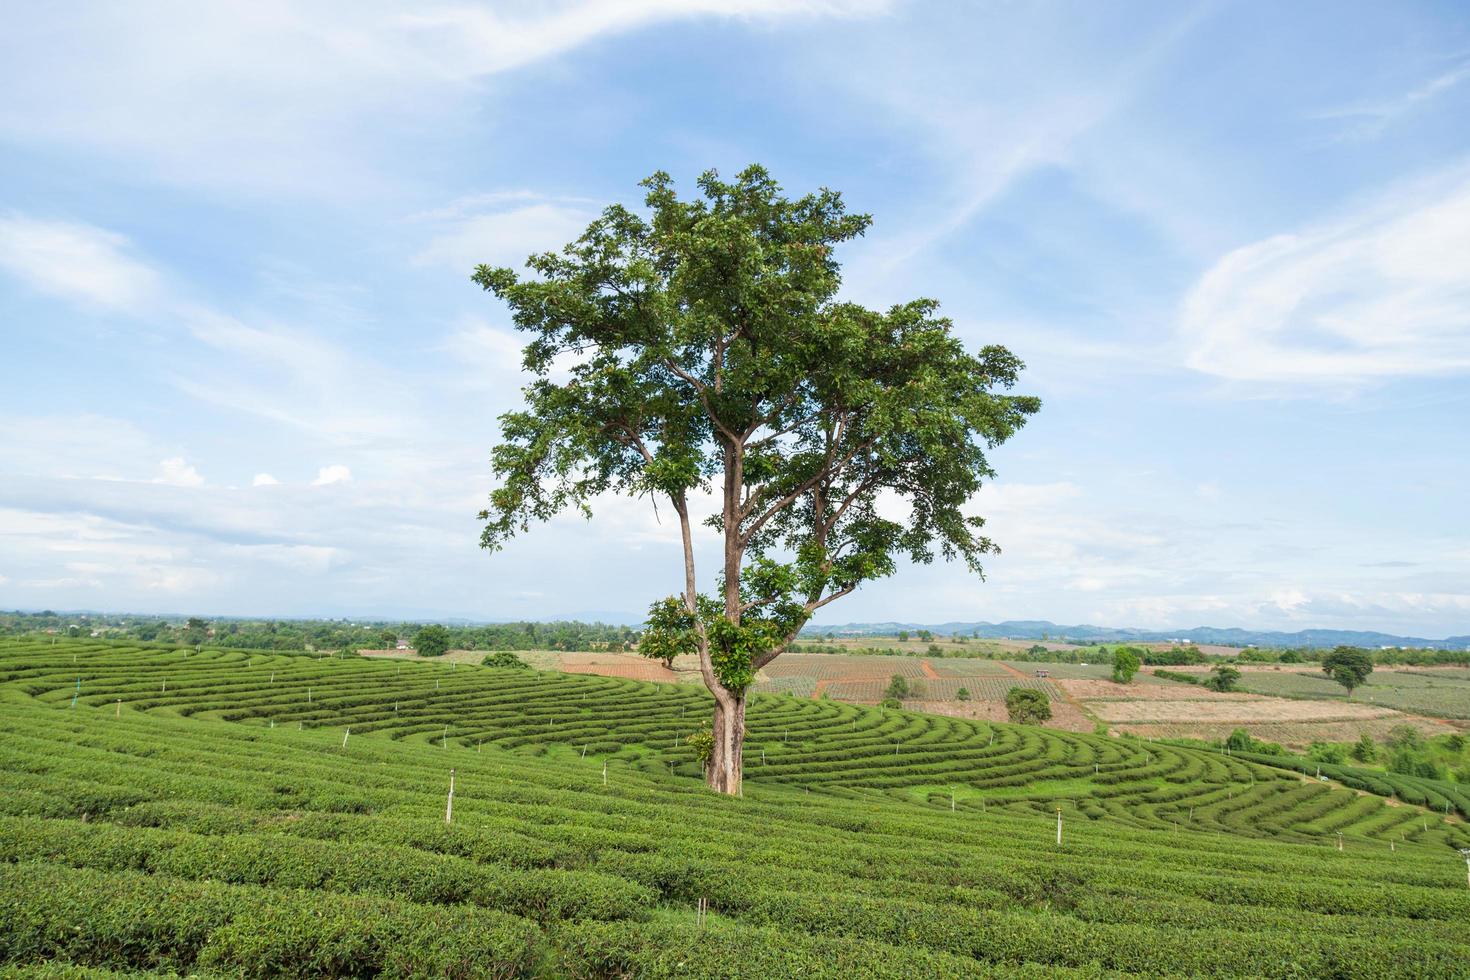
{"type": "Point", "coordinates": [617, 665]}
{"type": "Point", "coordinates": [1091, 690]}
{"type": "Point", "coordinates": [1226, 709]}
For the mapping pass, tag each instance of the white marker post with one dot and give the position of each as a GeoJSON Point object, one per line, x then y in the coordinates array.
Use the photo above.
{"type": "Point", "coordinates": [119, 708]}
{"type": "Point", "coordinates": [604, 773]}
{"type": "Point", "coordinates": [344, 737]}
{"type": "Point", "coordinates": [1059, 826]}
{"type": "Point", "coordinates": [1465, 851]}
{"type": "Point", "coordinates": [449, 807]}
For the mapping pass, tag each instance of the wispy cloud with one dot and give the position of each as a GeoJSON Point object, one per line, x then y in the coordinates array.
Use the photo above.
{"type": "Point", "coordinates": [1368, 120]}
{"type": "Point", "coordinates": [79, 262]}
{"type": "Point", "coordinates": [1380, 292]}
{"type": "Point", "coordinates": [501, 229]}
{"type": "Point", "coordinates": [296, 98]}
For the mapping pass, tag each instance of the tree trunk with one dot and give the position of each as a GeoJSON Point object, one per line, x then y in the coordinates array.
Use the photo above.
{"type": "Point", "coordinates": [724, 773]}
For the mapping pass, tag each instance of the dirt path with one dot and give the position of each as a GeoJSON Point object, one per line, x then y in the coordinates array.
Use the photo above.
{"type": "Point", "coordinates": [820, 688]}
{"type": "Point", "coordinates": [1009, 669]}
{"type": "Point", "coordinates": [928, 670]}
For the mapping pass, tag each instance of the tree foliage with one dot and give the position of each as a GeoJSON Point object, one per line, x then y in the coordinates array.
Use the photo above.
{"type": "Point", "coordinates": [1222, 678]}
{"type": "Point", "coordinates": [704, 349]}
{"type": "Point", "coordinates": [1125, 664]}
{"type": "Point", "coordinates": [504, 658]}
{"type": "Point", "coordinates": [431, 641]}
{"type": "Point", "coordinates": [1026, 705]}
{"type": "Point", "coordinates": [1349, 666]}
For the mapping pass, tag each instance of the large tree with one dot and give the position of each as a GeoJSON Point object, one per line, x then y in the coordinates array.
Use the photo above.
{"type": "Point", "coordinates": [701, 347]}
{"type": "Point", "coordinates": [1349, 666]}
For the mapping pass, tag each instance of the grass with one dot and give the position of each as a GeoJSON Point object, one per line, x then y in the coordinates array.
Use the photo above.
{"type": "Point", "coordinates": [230, 824]}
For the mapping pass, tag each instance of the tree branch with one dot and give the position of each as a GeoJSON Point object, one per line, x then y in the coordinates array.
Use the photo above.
{"type": "Point", "coordinates": [825, 472]}
{"type": "Point", "coordinates": [702, 390]}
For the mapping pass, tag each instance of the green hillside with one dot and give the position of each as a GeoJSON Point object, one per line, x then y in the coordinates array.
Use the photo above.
{"type": "Point", "coordinates": [223, 812]}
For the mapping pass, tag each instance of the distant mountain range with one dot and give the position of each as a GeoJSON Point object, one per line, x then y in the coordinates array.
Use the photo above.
{"type": "Point", "coordinates": [1040, 629]}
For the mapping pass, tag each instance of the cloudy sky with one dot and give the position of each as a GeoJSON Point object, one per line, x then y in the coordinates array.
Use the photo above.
{"type": "Point", "coordinates": [245, 371]}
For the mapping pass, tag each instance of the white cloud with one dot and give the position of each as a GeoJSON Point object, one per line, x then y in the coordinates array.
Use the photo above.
{"type": "Point", "coordinates": [176, 472]}
{"type": "Point", "coordinates": [1380, 293]}
{"type": "Point", "coordinates": [1369, 119]}
{"type": "Point", "coordinates": [79, 262]}
{"type": "Point", "coordinates": [82, 445]}
{"type": "Point", "coordinates": [481, 41]}
{"type": "Point", "coordinates": [328, 475]}
{"type": "Point", "coordinates": [289, 97]}
{"type": "Point", "coordinates": [469, 236]}
{"type": "Point", "coordinates": [264, 480]}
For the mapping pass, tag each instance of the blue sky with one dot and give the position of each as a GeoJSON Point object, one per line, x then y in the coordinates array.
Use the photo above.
{"type": "Point", "coordinates": [245, 371]}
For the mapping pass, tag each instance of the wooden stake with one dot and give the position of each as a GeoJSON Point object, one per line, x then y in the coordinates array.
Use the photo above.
{"type": "Point", "coordinates": [344, 737]}
{"type": "Point", "coordinates": [604, 774]}
{"type": "Point", "coordinates": [449, 807]}
{"type": "Point", "coordinates": [1059, 826]}
{"type": "Point", "coordinates": [119, 707]}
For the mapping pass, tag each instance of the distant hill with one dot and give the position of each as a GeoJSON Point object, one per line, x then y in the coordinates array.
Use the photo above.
{"type": "Point", "coordinates": [1038, 629]}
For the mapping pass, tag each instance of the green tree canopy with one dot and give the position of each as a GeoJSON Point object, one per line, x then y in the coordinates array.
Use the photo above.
{"type": "Point", "coordinates": [504, 658]}
{"type": "Point", "coordinates": [1349, 666]}
{"type": "Point", "coordinates": [898, 687]}
{"type": "Point", "coordinates": [1222, 678]}
{"type": "Point", "coordinates": [708, 350]}
{"type": "Point", "coordinates": [1026, 705]}
{"type": "Point", "coordinates": [1126, 662]}
{"type": "Point", "coordinates": [431, 641]}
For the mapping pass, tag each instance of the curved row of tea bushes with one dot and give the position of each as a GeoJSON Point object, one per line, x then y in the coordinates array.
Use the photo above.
{"type": "Point", "coordinates": [1174, 861]}
{"type": "Point", "coordinates": [820, 746]}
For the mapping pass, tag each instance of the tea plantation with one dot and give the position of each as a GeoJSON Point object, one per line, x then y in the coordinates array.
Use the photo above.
{"type": "Point", "coordinates": [229, 813]}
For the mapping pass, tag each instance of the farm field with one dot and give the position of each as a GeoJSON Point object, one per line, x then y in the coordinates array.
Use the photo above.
{"type": "Point", "coordinates": [1440, 691]}
{"type": "Point", "coordinates": [1082, 696]}
{"type": "Point", "coordinates": [227, 812]}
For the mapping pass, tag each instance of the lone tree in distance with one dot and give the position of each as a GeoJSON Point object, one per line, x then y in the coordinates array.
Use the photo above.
{"type": "Point", "coordinates": [712, 353]}
{"type": "Point", "coordinates": [431, 641]}
{"type": "Point", "coordinates": [1125, 664]}
{"type": "Point", "coordinates": [1349, 666]}
{"type": "Point", "coordinates": [1025, 705]}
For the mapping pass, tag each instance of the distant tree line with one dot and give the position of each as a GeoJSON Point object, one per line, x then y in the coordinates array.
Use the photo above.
{"type": "Point", "coordinates": [318, 634]}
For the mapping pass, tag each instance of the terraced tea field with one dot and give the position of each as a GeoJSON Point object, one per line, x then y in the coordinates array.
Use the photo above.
{"type": "Point", "coordinates": [234, 813]}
